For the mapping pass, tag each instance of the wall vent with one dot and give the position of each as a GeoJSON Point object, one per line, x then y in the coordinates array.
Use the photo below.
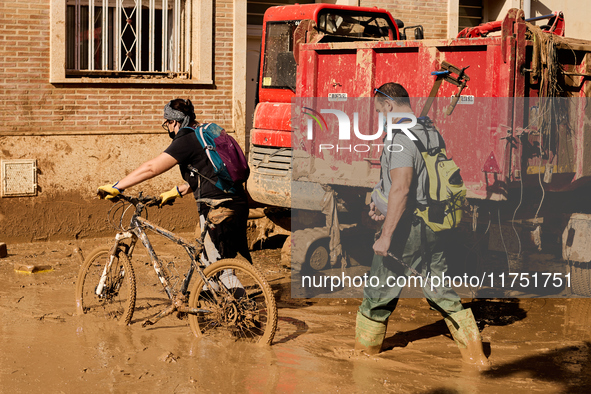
{"type": "Point", "coordinates": [19, 178]}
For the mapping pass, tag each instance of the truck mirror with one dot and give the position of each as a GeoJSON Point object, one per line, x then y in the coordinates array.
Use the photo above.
{"type": "Point", "coordinates": [419, 33]}
{"type": "Point", "coordinates": [418, 29]}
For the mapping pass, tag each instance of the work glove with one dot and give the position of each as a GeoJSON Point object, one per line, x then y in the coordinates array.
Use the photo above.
{"type": "Point", "coordinates": [108, 192]}
{"type": "Point", "coordinates": [170, 195]}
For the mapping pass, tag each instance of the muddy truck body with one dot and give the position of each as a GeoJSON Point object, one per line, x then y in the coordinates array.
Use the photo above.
{"type": "Point", "coordinates": [516, 121]}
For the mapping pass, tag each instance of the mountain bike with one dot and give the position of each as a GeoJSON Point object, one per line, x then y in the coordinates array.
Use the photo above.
{"type": "Point", "coordinates": [228, 298]}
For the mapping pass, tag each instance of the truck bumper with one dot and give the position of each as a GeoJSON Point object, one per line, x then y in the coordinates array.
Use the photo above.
{"type": "Point", "coordinates": [281, 191]}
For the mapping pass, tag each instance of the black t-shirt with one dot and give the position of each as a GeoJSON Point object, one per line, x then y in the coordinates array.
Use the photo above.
{"type": "Point", "coordinates": [186, 149]}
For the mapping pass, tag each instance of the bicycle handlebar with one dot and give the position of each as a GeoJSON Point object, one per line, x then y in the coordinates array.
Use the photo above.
{"type": "Point", "coordinates": [140, 202]}
{"type": "Point", "coordinates": [148, 201]}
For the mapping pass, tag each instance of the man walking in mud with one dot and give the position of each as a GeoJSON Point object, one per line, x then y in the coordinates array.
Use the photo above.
{"type": "Point", "coordinates": [403, 177]}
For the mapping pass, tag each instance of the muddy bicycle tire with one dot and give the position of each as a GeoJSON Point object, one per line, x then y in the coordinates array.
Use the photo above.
{"type": "Point", "coordinates": [241, 302]}
{"type": "Point", "coordinates": [117, 301]}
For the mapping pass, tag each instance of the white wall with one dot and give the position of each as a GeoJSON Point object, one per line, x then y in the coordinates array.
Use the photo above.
{"type": "Point", "coordinates": [577, 13]}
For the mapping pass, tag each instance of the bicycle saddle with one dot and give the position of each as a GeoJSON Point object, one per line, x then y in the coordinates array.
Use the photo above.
{"type": "Point", "coordinates": [210, 202]}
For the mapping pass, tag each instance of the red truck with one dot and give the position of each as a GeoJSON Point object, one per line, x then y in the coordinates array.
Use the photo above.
{"type": "Point", "coordinates": [511, 163]}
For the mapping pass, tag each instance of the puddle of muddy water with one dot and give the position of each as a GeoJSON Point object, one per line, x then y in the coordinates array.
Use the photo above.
{"type": "Point", "coordinates": [536, 345]}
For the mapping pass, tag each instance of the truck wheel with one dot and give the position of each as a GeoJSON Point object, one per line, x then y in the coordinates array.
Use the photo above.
{"type": "Point", "coordinates": [318, 255]}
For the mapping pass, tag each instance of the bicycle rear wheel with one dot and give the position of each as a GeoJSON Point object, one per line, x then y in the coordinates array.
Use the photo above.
{"type": "Point", "coordinates": [117, 298]}
{"type": "Point", "coordinates": [240, 302]}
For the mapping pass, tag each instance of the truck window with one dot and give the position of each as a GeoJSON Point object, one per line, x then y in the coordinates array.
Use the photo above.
{"type": "Point", "coordinates": [350, 26]}
{"type": "Point", "coordinates": [279, 70]}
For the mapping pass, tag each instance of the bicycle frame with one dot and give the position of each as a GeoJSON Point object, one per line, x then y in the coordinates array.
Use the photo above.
{"type": "Point", "coordinates": [137, 231]}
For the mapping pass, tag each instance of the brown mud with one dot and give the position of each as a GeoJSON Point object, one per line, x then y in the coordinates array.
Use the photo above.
{"type": "Point", "coordinates": [535, 345]}
{"type": "Point", "coordinates": [64, 216]}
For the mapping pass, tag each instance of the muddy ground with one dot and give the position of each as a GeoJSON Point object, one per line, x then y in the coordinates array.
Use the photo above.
{"type": "Point", "coordinates": [535, 345]}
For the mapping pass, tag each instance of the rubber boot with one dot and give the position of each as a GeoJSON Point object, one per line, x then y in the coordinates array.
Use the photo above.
{"type": "Point", "coordinates": [369, 335]}
{"type": "Point", "coordinates": [465, 332]}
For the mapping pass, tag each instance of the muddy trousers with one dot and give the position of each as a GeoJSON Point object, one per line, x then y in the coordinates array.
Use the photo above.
{"type": "Point", "coordinates": [387, 277]}
{"type": "Point", "coordinates": [387, 280]}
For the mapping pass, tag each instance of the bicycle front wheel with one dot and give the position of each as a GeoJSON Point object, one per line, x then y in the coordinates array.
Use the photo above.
{"type": "Point", "coordinates": [238, 303]}
{"type": "Point", "coordinates": [116, 286]}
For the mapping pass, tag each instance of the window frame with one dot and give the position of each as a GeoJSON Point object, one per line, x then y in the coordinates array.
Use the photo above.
{"type": "Point", "coordinates": [200, 59]}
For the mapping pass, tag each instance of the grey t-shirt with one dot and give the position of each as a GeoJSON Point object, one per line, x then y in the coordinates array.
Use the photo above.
{"type": "Point", "coordinates": [404, 153]}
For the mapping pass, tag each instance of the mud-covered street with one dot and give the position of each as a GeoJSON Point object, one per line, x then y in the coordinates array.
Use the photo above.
{"type": "Point", "coordinates": [535, 345]}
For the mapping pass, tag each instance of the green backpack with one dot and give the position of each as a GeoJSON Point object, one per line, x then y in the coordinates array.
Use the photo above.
{"type": "Point", "coordinates": [444, 187]}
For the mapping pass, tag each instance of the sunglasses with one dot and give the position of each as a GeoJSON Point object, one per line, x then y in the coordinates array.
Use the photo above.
{"type": "Point", "coordinates": [376, 90]}
{"type": "Point", "coordinates": [166, 123]}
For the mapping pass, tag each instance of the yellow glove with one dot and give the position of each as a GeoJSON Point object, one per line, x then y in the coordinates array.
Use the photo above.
{"type": "Point", "coordinates": [108, 192]}
{"type": "Point", "coordinates": [170, 195]}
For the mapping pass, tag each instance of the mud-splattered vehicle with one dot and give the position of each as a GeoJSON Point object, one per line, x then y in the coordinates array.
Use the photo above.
{"type": "Point", "coordinates": [519, 132]}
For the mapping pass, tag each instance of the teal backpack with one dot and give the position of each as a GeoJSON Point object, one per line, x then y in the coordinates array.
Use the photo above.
{"type": "Point", "coordinates": [226, 157]}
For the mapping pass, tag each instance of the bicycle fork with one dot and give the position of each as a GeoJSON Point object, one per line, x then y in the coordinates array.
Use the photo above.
{"type": "Point", "coordinates": [112, 254]}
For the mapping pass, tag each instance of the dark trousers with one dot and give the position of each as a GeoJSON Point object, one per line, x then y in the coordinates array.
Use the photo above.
{"type": "Point", "coordinates": [229, 237]}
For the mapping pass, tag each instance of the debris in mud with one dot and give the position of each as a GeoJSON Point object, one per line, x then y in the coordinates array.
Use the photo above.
{"type": "Point", "coordinates": [51, 317]}
{"type": "Point", "coordinates": [79, 254]}
{"type": "Point", "coordinates": [168, 358]}
{"type": "Point", "coordinates": [32, 268]}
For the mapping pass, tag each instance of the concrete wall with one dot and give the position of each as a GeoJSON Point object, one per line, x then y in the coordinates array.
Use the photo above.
{"type": "Point", "coordinates": [576, 13]}
{"type": "Point", "coordinates": [87, 134]}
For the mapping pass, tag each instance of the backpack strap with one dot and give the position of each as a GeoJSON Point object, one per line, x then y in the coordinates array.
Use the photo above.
{"type": "Point", "coordinates": [419, 143]}
{"type": "Point", "coordinates": [207, 148]}
{"type": "Point", "coordinates": [194, 170]}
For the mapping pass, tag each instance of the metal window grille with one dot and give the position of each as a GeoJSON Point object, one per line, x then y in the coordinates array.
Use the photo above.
{"type": "Point", "coordinates": [19, 178]}
{"type": "Point", "coordinates": [128, 36]}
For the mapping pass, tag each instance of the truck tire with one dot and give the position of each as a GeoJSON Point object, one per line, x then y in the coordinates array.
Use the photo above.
{"type": "Point", "coordinates": [318, 255]}
{"type": "Point", "coordinates": [304, 243]}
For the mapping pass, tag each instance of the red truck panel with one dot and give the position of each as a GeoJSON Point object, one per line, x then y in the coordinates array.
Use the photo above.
{"type": "Point", "coordinates": [483, 138]}
{"type": "Point", "coordinates": [357, 70]}
{"type": "Point", "coordinates": [494, 152]}
{"type": "Point", "coordinates": [273, 116]}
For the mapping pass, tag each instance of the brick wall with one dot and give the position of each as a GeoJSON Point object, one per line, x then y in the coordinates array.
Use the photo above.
{"type": "Point", "coordinates": [29, 103]}
{"type": "Point", "coordinates": [37, 119]}
{"type": "Point", "coordinates": [431, 14]}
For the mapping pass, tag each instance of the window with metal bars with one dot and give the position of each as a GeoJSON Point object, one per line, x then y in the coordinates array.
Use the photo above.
{"type": "Point", "coordinates": [120, 38]}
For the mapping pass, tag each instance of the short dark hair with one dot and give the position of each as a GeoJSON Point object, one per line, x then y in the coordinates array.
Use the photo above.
{"type": "Point", "coordinates": [393, 91]}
